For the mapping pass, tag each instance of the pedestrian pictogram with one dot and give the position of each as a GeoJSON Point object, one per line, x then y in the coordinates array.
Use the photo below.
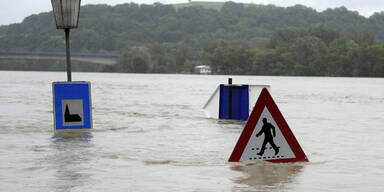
{"type": "Point", "coordinates": [267, 136]}
{"type": "Point", "coordinates": [268, 130]}
{"type": "Point", "coordinates": [72, 105]}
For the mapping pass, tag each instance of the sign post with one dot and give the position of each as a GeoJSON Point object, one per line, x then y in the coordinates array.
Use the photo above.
{"type": "Point", "coordinates": [72, 99]}
{"type": "Point", "coordinates": [72, 105]}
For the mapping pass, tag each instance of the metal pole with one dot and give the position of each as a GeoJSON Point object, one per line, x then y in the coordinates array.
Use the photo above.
{"type": "Point", "coordinates": [68, 53]}
{"type": "Point", "coordinates": [229, 98]}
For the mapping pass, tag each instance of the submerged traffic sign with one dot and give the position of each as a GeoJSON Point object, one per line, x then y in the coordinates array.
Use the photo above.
{"type": "Point", "coordinates": [72, 105]}
{"type": "Point", "coordinates": [232, 101]}
{"type": "Point", "coordinates": [267, 136]}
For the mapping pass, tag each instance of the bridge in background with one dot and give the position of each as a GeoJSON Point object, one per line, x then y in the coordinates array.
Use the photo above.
{"type": "Point", "coordinates": [103, 59]}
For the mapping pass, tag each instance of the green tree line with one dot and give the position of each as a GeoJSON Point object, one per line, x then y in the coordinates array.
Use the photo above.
{"type": "Point", "coordinates": [317, 51]}
{"type": "Point", "coordinates": [233, 39]}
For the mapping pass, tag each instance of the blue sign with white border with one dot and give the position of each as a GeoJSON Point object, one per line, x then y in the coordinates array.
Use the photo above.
{"type": "Point", "coordinates": [72, 105]}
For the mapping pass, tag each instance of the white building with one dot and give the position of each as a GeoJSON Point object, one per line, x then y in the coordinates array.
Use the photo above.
{"type": "Point", "coordinates": [203, 69]}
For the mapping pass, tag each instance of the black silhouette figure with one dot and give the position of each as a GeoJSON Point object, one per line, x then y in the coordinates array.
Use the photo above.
{"type": "Point", "coordinates": [68, 117]}
{"type": "Point", "coordinates": [266, 129]}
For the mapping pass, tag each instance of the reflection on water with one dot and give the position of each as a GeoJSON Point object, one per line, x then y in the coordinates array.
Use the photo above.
{"type": "Point", "coordinates": [267, 176]}
{"type": "Point", "coordinates": [71, 160]}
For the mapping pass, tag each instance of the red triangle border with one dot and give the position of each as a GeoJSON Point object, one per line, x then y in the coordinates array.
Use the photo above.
{"type": "Point", "coordinates": [265, 100]}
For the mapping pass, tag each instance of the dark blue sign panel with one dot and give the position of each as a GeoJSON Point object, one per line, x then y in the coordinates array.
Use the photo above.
{"type": "Point", "coordinates": [239, 96]}
{"type": "Point", "coordinates": [72, 105]}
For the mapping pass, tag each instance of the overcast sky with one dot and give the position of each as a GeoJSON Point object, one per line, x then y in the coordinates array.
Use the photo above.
{"type": "Point", "coordinates": [13, 11]}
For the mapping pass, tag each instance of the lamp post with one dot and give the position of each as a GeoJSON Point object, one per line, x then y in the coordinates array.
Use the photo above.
{"type": "Point", "coordinates": [66, 13]}
{"type": "Point", "coordinates": [72, 106]}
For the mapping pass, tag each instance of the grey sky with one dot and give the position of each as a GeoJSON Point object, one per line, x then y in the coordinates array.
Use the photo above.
{"type": "Point", "coordinates": [13, 11]}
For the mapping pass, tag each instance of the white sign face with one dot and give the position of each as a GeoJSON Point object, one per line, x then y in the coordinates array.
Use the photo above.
{"type": "Point", "coordinates": [211, 108]}
{"type": "Point", "coordinates": [267, 142]}
{"type": "Point", "coordinates": [73, 112]}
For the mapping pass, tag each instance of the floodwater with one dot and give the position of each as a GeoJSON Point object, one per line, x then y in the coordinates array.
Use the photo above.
{"type": "Point", "coordinates": [150, 134]}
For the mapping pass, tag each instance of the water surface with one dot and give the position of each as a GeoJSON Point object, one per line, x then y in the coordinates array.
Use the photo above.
{"type": "Point", "coordinates": [151, 135]}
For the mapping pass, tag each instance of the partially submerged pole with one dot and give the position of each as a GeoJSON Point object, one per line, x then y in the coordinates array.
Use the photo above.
{"type": "Point", "coordinates": [229, 98]}
{"type": "Point", "coordinates": [68, 54]}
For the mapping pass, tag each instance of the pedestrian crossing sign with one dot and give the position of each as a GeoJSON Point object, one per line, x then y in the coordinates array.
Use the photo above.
{"type": "Point", "coordinates": [72, 105]}
{"type": "Point", "coordinates": [267, 136]}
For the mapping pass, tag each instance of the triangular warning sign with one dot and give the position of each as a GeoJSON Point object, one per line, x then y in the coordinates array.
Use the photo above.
{"type": "Point", "coordinates": [267, 136]}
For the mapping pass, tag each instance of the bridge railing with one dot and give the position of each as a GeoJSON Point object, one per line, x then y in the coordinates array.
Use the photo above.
{"type": "Point", "coordinates": [97, 58]}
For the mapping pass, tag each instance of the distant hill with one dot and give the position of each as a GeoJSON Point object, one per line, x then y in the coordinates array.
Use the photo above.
{"type": "Point", "coordinates": [209, 5]}
{"type": "Point", "coordinates": [204, 4]}
{"type": "Point", "coordinates": [233, 38]}
{"type": "Point", "coordinates": [104, 28]}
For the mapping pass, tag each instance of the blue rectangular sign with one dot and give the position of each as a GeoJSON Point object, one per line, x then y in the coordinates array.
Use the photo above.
{"type": "Point", "coordinates": [72, 105]}
{"type": "Point", "coordinates": [239, 103]}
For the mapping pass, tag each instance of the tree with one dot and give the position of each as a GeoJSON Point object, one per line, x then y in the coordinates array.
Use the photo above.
{"type": "Point", "coordinates": [229, 58]}
{"type": "Point", "coordinates": [134, 60]}
{"type": "Point", "coordinates": [286, 36]}
{"type": "Point", "coordinates": [338, 60]}
{"type": "Point", "coordinates": [309, 53]}
{"type": "Point", "coordinates": [367, 61]}
{"type": "Point", "coordinates": [326, 34]}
